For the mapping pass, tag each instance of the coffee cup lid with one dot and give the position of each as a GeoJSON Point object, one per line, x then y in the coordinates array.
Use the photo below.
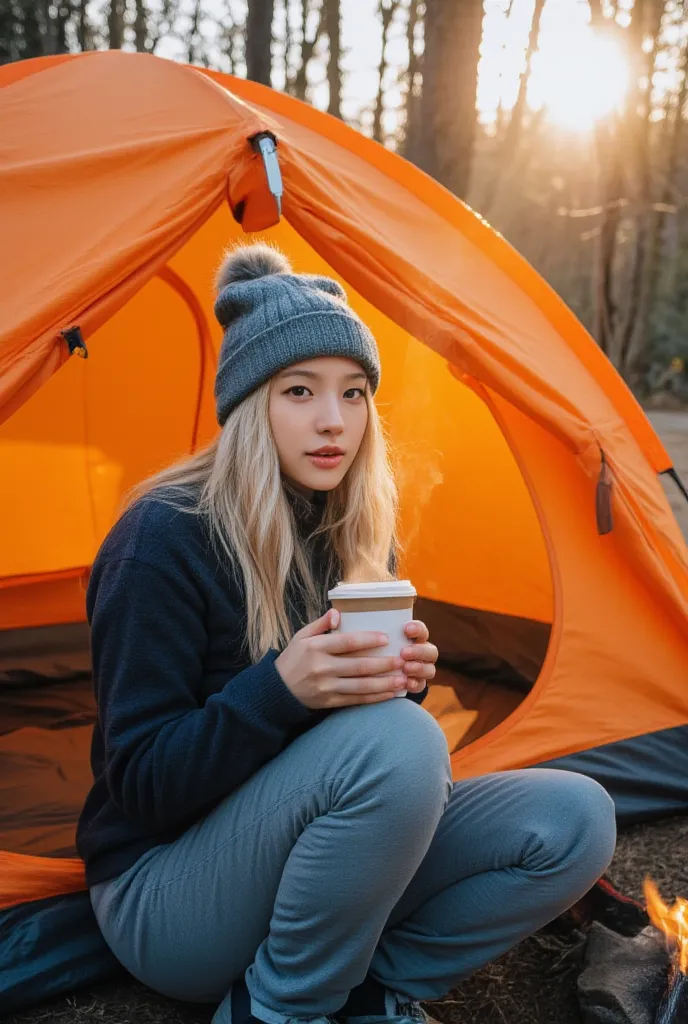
{"type": "Point", "coordinates": [390, 588]}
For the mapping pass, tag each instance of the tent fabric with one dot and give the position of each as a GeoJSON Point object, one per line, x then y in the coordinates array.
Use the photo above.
{"type": "Point", "coordinates": [647, 775]}
{"type": "Point", "coordinates": [122, 178]}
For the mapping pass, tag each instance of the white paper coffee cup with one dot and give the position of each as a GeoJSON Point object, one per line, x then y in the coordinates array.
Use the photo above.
{"type": "Point", "coordinates": [377, 607]}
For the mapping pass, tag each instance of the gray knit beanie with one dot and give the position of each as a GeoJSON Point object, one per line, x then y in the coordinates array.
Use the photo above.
{"type": "Point", "coordinates": [273, 318]}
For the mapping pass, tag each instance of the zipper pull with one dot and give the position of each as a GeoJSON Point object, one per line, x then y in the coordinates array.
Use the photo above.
{"type": "Point", "coordinates": [265, 143]}
{"type": "Point", "coordinates": [75, 341]}
{"type": "Point", "coordinates": [603, 498]}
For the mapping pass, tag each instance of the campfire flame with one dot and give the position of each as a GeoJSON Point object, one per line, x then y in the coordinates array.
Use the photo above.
{"type": "Point", "coordinates": [673, 921]}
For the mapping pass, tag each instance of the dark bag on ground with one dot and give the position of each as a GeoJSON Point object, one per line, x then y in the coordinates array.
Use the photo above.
{"type": "Point", "coordinates": [48, 947]}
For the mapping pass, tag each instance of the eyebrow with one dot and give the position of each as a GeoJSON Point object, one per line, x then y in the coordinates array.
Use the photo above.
{"type": "Point", "coordinates": [312, 375]}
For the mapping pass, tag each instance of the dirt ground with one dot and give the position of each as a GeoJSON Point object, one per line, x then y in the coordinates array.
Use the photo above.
{"type": "Point", "coordinates": [533, 984]}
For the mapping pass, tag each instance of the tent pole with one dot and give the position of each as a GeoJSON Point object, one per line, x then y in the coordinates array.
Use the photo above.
{"type": "Point", "coordinates": [677, 480]}
{"type": "Point", "coordinates": [187, 294]}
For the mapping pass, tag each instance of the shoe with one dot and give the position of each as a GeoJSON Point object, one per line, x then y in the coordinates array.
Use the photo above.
{"type": "Point", "coordinates": [398, 1010]}
{"type": "Point", "coordinates": [414, 1011]}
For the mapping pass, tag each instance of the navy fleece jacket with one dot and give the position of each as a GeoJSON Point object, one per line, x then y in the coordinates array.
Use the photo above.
{"type": "Point", "coordinates": [183, 717]}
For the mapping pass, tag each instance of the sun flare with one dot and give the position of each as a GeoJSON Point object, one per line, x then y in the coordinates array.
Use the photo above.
{"type": "Point", "coordinates": [581, 84]}
{"type": "Point", "coordinates": [577, 76]}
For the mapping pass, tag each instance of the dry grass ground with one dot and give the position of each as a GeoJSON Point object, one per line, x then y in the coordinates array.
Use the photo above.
{"type": "Point", "coordinates": [533, 984]}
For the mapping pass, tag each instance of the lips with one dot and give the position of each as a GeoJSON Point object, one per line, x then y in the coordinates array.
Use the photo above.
{"type": "Point", "coordinates": [327, 457]}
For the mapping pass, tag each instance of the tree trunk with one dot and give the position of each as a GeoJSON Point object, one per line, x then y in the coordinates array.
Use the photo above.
{"type": "Point", "coordinates": [656, 275]}
{"type": "Point", "coordinates": [450, 80]}
{"type": "Point", "coordinates": [409, 143]}
{"type": "Point", "coordinates": [116, 24]}
{"type": "Point", "coordinates": [611, 188]}
{"type": "Point", "coordinates": [258, 40]}
{"type": "Point", "coordinates": [83, 34]}
{"type": "Point", "coordinates": [33, 38]}
{"type": "Point", "coordinates": [334, 71]}
{"type": "Point", "coordinates": [8, 32]}
{"type": "Point", "coordinates": [287, 45]}
{"type": "Point", "coordinates": [47, 23]}
{"type": "Point", "coordinates": [64, 13]}
{"type": "Point", "coordinates": [386, 12]}
{"type": "Point", "coordinates": [632, 331]}
{"type": "Point", "coordinates": [140, 27]}
{"type": "Point", "coordinates": [624, 159]}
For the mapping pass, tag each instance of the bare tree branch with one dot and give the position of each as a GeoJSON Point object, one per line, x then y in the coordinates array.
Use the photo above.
{"type": "Point", "coordinates": [163, 24]}
{"type": "Point", "coordinates": [191, 50]}
{"type": "Point", "coordinates": [386, 10]}
{"type": "Point", "coordinates": [512, 136]}
{"type": "Point", "coordinates": [229, 35]}
{"type": "Point", "coordinates": [300, 82]}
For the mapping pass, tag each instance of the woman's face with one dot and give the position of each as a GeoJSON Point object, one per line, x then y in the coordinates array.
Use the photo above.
{"type": "Point", "coordinates": [318, 416]}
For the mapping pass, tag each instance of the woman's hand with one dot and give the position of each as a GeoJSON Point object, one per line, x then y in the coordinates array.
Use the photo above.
{"type": "Point", "coordinates": [419, 660]}
{"type": "Point", "coordinates": [314, 668]}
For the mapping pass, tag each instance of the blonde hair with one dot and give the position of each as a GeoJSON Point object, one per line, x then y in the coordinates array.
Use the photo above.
{"type": "Point", "coordinates": [235, 483]}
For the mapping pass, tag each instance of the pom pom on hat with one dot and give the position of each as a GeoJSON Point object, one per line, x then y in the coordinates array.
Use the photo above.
{"type": "Point", "coordinates": [248, 262]}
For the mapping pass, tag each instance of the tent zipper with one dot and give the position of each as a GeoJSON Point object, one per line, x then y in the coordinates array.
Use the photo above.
{"type": "Point", "coordinates": [75, 341]}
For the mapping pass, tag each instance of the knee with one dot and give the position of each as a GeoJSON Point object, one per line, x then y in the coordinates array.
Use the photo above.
{"type": "Point", "coordinates": [573, 821]}
{"type": "Point", "coordinates": [402, 747]}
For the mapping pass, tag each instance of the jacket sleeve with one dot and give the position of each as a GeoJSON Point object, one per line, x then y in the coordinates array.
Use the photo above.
{"type": "Point", "coordinates": [168, 756]}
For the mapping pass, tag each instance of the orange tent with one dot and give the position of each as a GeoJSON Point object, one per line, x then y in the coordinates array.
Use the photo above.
{"type": "Point", "coordinates": [553, 574]}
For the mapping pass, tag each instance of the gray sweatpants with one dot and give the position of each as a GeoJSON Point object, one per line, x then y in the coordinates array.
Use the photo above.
{"type": "Point", "coordinates": [353, 851]}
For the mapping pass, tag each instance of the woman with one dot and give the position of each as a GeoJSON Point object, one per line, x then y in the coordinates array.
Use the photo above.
{"type": "Point", "coordinates": [268, 828]}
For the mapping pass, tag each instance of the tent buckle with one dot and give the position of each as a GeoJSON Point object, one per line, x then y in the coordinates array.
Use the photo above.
{"type": "Point", "coordinates": [75, 341]}
{"type": "Point", "coordinates": [265, 143]}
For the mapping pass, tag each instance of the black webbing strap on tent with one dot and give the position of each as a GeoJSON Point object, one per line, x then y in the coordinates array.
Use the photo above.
{"type": "Point", "coordinates": [677, 480]}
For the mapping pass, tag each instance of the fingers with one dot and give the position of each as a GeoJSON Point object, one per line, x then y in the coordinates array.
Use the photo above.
{"type": "Point", "coordinates": [420, 652]}
{"type": "Point", "coordinates": [415, 686]}
{"type": "Point", "coordinates": [416, 631]}
{"type": "Point", "coordinates": [419, 660]}
{"type": "Point", "coordinates": [330, 620]}
{"type": "Point", "coordinates": [352, 667]}
{"type": "Point", "coordinates": [419, 670]}
{"type": "Point", "coordinates": [363, 685]}
{"type": "Point", "coordinates": [350, 643]}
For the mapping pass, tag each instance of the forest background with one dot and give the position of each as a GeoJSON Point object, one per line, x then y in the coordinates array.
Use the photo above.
{"type": "Point", "coordinates": [561, 122]}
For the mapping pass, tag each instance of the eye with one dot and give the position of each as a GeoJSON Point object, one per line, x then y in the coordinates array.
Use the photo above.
{"type": "Point", "coordinates": [298, 391]}
{"type": "Point", "coordinates": [351, 393]}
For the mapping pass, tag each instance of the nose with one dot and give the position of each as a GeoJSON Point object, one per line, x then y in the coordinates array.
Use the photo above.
{"type": "Point", "coordinates": [329, 419]}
